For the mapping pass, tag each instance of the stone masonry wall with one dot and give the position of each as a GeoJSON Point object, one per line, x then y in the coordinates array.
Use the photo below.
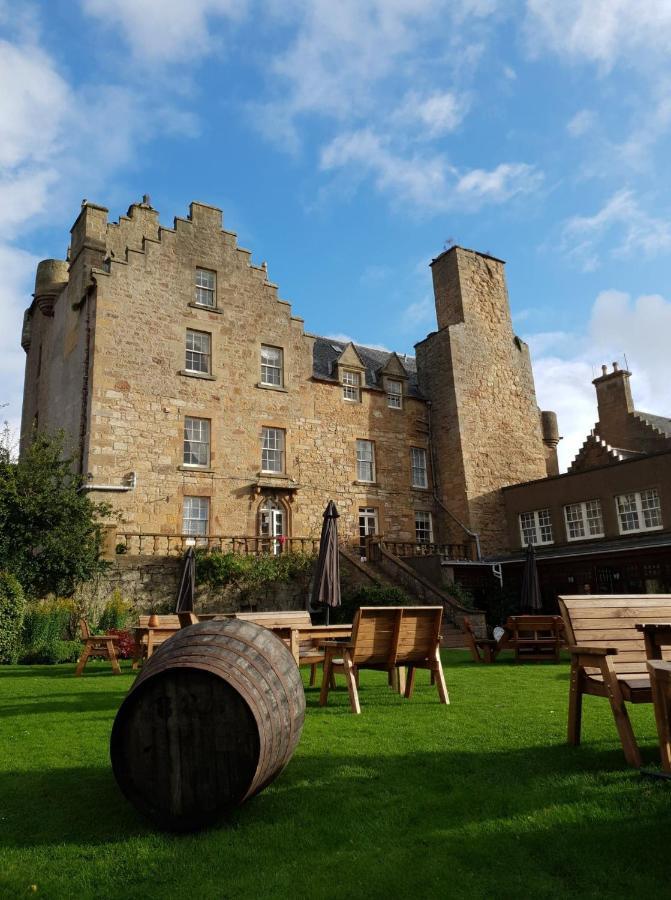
{"type": "Point", "coordinates": [485, 413]}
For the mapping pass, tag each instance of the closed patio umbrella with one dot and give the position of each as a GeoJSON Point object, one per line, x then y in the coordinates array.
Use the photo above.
{"type": "Point", "coordinates": [187, 584]}
{"type": "Point", "coordinates": [326, 587]}
{"type": "Point", "coordinates": [531, 598]}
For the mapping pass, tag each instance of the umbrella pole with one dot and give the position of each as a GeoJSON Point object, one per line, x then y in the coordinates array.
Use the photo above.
{"type": "Point", "coordinates": [328, 613]}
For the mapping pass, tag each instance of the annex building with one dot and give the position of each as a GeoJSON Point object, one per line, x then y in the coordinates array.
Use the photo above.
{"type": "Point", "coordinates": [195, 400]}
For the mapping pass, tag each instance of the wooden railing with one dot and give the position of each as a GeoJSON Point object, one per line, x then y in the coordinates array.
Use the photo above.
{"type": "Point", "coordinates": [150, 544]}
{"type": "Point", "coordinates": [448, 551]}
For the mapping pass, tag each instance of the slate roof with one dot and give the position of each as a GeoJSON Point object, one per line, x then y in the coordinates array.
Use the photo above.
{"type": "Point", "coordinates": [327, 350]}
{"type": "Point", "coordinates": [660, 422]}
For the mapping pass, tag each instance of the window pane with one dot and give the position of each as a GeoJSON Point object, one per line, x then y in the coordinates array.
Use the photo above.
{"type": "Point", "coordinates": [350, 385]}
{"type": "Point", "coordinates": [365, 461]}
{"type": "Point", "coordinates": [652, 513]}
{"type": "Point", "coordinates": [594, 518]}
{"type": "Point", "coordinates": [196, 515]}
{"type": "Point", "coordinates": [419, 476]}
{"type": "Point", "coordinates": [197, 351]}
{"type": "Point", "coordinates": [394, 394]}
{"type": "Point", "coordinates": [272, 450]}
{"type": "Point", "coordinates": [544, 526]}
{"type": "Point", "coordinates": [528, 527]}
{"type": "Point", "coordinates": [196, 442]}
{"type": "Point", "coordinates": [271, 365]}
{"type": "Point", "coordinates": [206, 285]}
{"type": "Point", "coordinates": [574, 521]}
{"type": "Point", "coordinates": [628, 512]}
{"type": "Point", "coordinates": [423, 528]}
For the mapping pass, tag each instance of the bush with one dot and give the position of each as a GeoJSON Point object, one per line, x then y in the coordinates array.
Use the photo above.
{"type": "Point", "coordinates": [461, 594]}
{"type": "Point", "coordinates": [115, 613]}
{"type": "Point", "coordinates": [247, 571]}
{"type": "Point", "coordinates": [377, 595]}
{"type": "Point", "coordinates": [12, 605]}
{"type": "Point", "coordinates": [49, 632]}
{"type": "Point", "coordinates": [125, 646]}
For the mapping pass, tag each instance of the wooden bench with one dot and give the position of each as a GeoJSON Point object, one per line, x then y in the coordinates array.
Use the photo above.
{"type": "Point", "coordinates": [386, 639]}
{"type": "Point", "coordinates": [609, 656]}
{"type": "Point", "coordinates": [534, 637]}
{"type": "Point", "coordinates": [287, 624]}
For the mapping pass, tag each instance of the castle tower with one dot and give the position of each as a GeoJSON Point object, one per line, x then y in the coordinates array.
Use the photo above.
{"type": "Point", "coordinates": [485, 423]}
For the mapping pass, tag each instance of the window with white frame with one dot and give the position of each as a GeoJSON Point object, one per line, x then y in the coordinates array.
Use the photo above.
{"type": "Point", "coordinates": [272, 365]}
{"type": "Point", "coordinates": [583, 520]}
{"type": "Point", "coordinates": [365, 461]}
{"type": "Point", "coordinates": [196, 441]}
{"type": "Point", "coordinates": [639, 511]}
{"type": "Point", "coordinates": [206, 288]}
{"type": "Point", "coordinates": [423, 527]}
{"type": "Point", "coordinates": [394, 394]}
{"type": "Point", "coordinates": [196, 516]}
{"type": "Point", "coordinates": [351, 385]}
{"type": "Point", "coordinates": [198, 356]}
{"type": "Point", "coordinates": [272, 449]}
{"type": "Point", "coordinates": [536, 527]}
{"type": "Point", "coordinates": [418, 462]}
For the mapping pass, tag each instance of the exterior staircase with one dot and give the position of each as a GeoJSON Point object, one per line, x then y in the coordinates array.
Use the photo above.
{"type": "Point", "coordinates": [383, 568]}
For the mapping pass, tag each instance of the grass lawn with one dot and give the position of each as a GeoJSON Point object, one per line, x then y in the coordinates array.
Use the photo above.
{"type": "Point", "coordinates": [481, 798]}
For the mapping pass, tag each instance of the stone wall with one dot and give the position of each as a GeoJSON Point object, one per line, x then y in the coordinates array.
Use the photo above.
{"type": "Point", "coordinates": [485, 421]}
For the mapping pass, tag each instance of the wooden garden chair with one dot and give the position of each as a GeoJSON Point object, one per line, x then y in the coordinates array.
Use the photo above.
{"type": "Point", "coordinates": [610, 644]}
{"type": "Point", "coordinates": [97, 646]}
{"type": "Point", "coordinates": [482, 649]}
{"type": "Point", "coordinates": [386, 639]}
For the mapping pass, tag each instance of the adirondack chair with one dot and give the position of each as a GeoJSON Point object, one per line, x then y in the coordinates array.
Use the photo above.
{"type": "Point", "coordinates": [609, 654]}
{"type": "Point", "coordinates": [97, 646]}
{"type": "Point", "coordinates": [387, 638]}
{"type": "Point", "coordinates": [482, 649]}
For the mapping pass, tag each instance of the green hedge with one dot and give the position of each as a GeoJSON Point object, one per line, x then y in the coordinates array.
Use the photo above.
{"type": "Point", "coordinates": [12, 606]}
{"type": "Point", "coordinates": [247, 571]}
{"type": "Point", "coordinates": [368, 596]}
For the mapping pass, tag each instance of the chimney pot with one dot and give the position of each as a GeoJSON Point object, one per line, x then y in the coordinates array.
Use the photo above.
{"type": "Point", "coordinates": [604, 370]}
{"type": "Point", "coordinates": [615, 366]}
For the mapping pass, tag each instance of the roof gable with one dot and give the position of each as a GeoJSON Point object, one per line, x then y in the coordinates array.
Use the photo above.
{"type": "Point", "coordinates": [393, 367]}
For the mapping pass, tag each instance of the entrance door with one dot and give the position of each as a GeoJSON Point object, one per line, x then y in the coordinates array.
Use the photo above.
{"type": "Point", "coordinates": [272, 527]}
{"type": "Point", "coordinates": [367, 526]}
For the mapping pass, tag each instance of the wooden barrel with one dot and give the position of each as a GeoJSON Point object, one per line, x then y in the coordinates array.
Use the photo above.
{"type": "Point", "coordinates": [214, 717]}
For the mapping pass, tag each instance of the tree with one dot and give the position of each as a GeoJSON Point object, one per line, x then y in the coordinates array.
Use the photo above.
{"type": "Point", "coordinates": [50, 530]}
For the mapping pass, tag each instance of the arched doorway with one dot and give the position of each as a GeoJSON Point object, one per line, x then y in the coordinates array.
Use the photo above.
{"type": "Point", "coordinates": [272, 525]}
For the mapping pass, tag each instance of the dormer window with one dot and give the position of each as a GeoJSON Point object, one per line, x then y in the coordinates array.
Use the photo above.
{"type": "Point", "coordinates": [394, 394]}
{"type": "Point", "coordinates": [351, 386]}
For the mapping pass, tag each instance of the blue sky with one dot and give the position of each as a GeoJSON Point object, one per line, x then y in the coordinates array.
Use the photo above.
{"type": "Point", "coordinates": [348, 142]}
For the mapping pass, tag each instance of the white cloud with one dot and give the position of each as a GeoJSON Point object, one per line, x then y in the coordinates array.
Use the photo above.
{"type": "Point", "coordinates": [18, 271]}
{"type": "Point", "coordinates": [167, 31]}
{"type": "Point", "coordinates": [620, 329]}
{"type": "Point", "coordinates": [426, 182]}
{"type": "Point", "coordinates": [581, 123]}
{"type": "Point", "coordinates": [437, 113]}
{"type": "Point", "coordinates": [636, 231]}
{"type": "Point", "coordinates": [32, 112]}
{"type": "Point", "coordinates": [499, 184]}
{"type": "Point", "coordinates": [605, 32]}
{"type": "Point", "coordinates": [421, 313]}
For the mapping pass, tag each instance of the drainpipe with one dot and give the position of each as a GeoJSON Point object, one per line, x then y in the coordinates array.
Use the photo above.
{"type": "Point", "coordinates": [434, 485]}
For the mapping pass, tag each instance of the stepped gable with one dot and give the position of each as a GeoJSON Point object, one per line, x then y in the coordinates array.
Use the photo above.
{"type": "Point", "coordinates": [659, 423]}
{"type": "Point", "coordinates": [327, 351]}
{"type": "Point", "coordinates": [597, 452]}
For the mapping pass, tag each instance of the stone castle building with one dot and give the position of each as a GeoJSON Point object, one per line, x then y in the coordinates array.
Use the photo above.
{"type": "Point", "coordinates": [194, 398]}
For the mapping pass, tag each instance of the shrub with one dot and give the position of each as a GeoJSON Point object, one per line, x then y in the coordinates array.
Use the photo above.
{"type": "Point", "coordinates": [12, 605]}
{"type": "Point", "coordinates": [115, 613]}
{"type": "Point", "coordinates": [375, 595]}
{"type": "Point", "coordinates": [461, 594]}
{"type": "Point", "coordinates": [49, 632]}
{"type": "Point", "coordinates": [125, 646]}
{"type": "Point", "coordinates": [247, 571]}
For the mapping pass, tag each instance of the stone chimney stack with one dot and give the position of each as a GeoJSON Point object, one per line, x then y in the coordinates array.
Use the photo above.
{"type": "Point", "coordinates": [551, 439]}
{"type": "Point", "coordinates": [613, 395]}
